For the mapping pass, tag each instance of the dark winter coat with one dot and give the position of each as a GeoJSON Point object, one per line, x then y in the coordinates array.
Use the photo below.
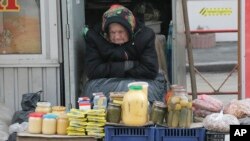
{"type": "Point", "coordinates": [106, 60]}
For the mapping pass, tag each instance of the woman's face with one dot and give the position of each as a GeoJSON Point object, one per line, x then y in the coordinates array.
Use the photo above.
{"type": "Point", "coordinates": [118, 34]}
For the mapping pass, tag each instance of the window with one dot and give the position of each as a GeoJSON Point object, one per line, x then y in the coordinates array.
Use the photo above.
{"type": "Point", "coordinates": [20, 31]}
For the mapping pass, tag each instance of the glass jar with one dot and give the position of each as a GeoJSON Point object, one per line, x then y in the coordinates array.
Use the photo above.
{"type": "Point", "coordinates": [35, 123]}
{"type": "Point", "coordinates": [178, 109]}
{"type": "Point", "coordinates": [43, 107]}
{"type": "Point", "coordinates": [158, 112]}
{"type": "Point", "coordinates": [134, 107]}
{"type": "Point", "coordinates": [49, 124]}
{"type": "Point", "coordinates": [114, 113]}
{"type": "Point", "coordinates": [62, 124]}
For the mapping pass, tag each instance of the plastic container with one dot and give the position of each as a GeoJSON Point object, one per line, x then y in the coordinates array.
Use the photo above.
{"type": "Point", "coordinates": [49, 124]}
{"type": "Point", "coordinates": [62, 124]}
{"type": "Point", "coordinates": [100, 101]}
{"type": "Point", "coordinates": [179, 134]}
{"type": "Point", "coordinates": [158, 112]}
{"type": "Point", "coordinates": [35, 123]}
{"type": "Point", "coordinates": [43, 107]}
{"type": "Point", "coordinates": [134, 107]}
{"type": "Point", "coordinates": [114, 113]}
{"type": "Point", "coordinates": [115, 133]}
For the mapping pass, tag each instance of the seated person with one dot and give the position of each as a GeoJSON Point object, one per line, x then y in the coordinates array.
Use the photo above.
{"type": "Point", "coordinates": [120, 51]}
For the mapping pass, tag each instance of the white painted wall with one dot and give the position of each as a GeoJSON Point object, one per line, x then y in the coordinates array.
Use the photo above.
{"type": "Point", "coordinates": [214, 21]}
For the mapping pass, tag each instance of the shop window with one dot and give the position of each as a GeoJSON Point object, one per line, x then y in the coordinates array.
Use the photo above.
{"type": "Point", "coordinates": [20, 32]}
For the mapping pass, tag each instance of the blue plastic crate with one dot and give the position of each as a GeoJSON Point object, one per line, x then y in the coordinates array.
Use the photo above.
{"type": "Point", "coordinates": [117, 133]}
{"type": "Point", "coordinates": [179, 134]}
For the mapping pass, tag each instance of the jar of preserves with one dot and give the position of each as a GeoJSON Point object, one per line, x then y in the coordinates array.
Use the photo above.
{"type": "Point", "coordinates": [49, 124]}
{"type": "Point", "coordinates": [35, 123]}
{"type": "Point", "coordinates": [178, 109]}
{"type": "Point", "coordinates": [134, 107]}
{"type": "Point", "coordinates": [114, 113]}
{"type": "Point", "coordinates": [158, 112]}
{"type": "Point", "coordinates": [62, 124]}
{"type": "Point", "coordinates": [43, 107]}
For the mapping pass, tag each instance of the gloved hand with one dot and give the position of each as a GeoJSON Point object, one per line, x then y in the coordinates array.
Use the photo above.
{"type": "Point", "coordinates": [116, 54]}
{"type": "Point", "coordinates": [130, 64]}
{"type": "Point", "coordinates": [84, 31]}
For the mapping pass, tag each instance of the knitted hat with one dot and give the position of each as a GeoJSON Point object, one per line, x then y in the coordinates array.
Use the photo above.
{"type": "Point", "coordinates": [118, 14]}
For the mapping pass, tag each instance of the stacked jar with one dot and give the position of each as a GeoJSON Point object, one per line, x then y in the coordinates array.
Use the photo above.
{"type": "Point", "coordinates": [179, 109]}
{"type": "Point", "coordinates": [43, 107]}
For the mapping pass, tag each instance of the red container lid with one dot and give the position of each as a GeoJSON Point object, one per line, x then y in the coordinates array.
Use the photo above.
{"type": "Point", "coordinates": [36, 114]}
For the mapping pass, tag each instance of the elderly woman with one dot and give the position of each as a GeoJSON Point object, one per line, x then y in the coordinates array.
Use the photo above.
{"type": "Point", "coordinates": [121, 51]}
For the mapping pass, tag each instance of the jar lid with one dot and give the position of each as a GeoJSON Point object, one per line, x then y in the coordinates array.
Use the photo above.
{"type": "Point", "coordinates": [43, 104]}
{"type": "Point", "coordinates": [160, 104]}
{"type": "Point", "coordinates": [135, 87]}
{"type": "Point", "coordinates": [36, 114]}
{"type": "Point", "coordinates": [51, 116]}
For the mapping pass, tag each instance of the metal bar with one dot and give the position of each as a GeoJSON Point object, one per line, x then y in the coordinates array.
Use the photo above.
{"type": "Point", "coordinates": [230, 74]}
{"type": "Point", "coordinates": [239, 50]}
{"type": "Point", "coordinates": [217, 93]}
{"type": "Point", "coordinates": [189, 50]}
{"type": "Point", "coordinates": [211, 86]}
{"type": "Point", "coordinates": [214, 31]}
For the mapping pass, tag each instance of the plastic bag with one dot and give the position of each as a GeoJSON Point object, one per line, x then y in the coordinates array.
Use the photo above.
{"type": "Point", "coordinates": [16, 127]}
{"type": "Point", "coordinates": [21, 116]}
{"type": "Point", "coordinates": [238, 108]}
{"type": "Point", "coordinates": [28, 104]}
{"type": "Point", "coordinates": [208, 103]}
{"type": "Point", "coordinates": [220, 122]}
{"type": "Point", "coordinates": [29, 100]}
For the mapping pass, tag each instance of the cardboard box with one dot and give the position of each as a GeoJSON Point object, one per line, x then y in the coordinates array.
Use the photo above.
{"type": "Point", "coordinates": [41, 137]}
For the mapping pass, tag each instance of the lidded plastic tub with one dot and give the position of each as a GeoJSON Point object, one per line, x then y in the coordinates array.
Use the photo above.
{"type": "Point", "coordinates": [62, 124]}
{"type": "Point", "coordinates": [49, 124]}
{"type": "Point", "coordinates": [35, 123]}
{"type": "Point", "coordinates": [43, 107]}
